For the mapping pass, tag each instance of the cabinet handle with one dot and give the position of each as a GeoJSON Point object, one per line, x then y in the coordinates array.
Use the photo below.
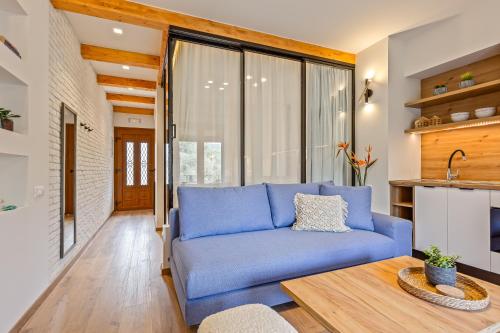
{"type": "Point", "coordinates": [429, 186]}
{"type": "Point", "coordinates": [465, 189]}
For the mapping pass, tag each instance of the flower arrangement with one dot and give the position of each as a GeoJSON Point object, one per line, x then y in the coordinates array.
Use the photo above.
{"type": "Point", "coordinates": [360, 166]}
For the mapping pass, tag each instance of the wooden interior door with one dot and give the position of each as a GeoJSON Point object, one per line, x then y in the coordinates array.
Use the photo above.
{"type": "Point", "coordinates": [69, 169]}
{"type": "Point", "coordinates": [134, 168]}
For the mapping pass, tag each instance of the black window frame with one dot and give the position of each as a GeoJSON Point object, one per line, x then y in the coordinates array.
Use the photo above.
{"type": "Point", "coordinates": [181, 34]}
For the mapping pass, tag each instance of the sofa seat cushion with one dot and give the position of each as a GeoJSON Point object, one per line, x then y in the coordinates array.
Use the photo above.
{"type": "Point", "coordinates": [224, 210]}
{"type": "Point", "coordinates": [212, 265]}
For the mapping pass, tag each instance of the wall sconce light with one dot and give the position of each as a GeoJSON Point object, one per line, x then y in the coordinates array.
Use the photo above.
{"type": "Point", "coordinates": [367, 92]}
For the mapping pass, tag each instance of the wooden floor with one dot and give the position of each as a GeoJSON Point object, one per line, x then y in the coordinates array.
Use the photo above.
{"type": "Point", "coordinates": [116, 286]}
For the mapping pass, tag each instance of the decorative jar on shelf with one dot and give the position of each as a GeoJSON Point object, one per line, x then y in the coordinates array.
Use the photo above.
{"type": "Point", "coordinates": [7, 124]}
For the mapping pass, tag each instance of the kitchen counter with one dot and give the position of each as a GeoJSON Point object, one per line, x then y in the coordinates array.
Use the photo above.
{"type": "Point", "coordinates": [469, 184]}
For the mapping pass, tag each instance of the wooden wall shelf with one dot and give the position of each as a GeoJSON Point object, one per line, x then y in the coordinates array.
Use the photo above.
{"type": "Point", "coordinates": [495, 120]}
{"type": "Point", "coordinates": [476, 90]}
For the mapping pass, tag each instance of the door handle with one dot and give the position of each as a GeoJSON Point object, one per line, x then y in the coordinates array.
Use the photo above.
{"type": "Point", "coordinates": [174, 131]}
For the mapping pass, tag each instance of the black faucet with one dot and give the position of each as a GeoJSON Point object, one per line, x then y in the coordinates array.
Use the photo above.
{"type": "Point", "coordinates": [449, 174]}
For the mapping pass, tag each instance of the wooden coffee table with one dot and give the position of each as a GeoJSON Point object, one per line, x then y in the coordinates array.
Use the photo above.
{"type": "Point", "coordinates": [367, 298]}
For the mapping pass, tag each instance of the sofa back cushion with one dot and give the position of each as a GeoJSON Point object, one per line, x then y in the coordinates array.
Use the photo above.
{"type": "Point", "coordinates": [359, 204]}
{"type": "Point", "coordinates": [281, 198]}
{"type": "Point", "coordinates": [225, 210]}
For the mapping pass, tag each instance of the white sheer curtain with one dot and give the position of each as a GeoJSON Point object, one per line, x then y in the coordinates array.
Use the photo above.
{"type": "Point", "coordinates": [206, 105]}
{"type": "Point", "coordinates": [272, 119]}
{"type": "Point", "coordinates": [329, 102]}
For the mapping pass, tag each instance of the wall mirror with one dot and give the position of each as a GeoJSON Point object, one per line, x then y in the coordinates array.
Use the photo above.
{"type": "Point", "coordinates": [68, 179]}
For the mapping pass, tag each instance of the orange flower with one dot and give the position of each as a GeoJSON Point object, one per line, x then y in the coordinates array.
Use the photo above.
{"type": "Point", "coordinates": [343, 145]}
{"type": "Point", "coordinates": [361, 163]}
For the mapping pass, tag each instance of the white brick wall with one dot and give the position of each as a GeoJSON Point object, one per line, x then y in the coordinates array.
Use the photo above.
{"type": "Point", "coordinates": [73, 81]}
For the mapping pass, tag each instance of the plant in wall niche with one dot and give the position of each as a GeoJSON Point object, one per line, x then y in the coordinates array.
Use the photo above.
{"type": "Point", "coordinates": [360, 166]}
{"type": "Point", "coordinates": [440, 269]}
{"type": "Point", "coordinates": [466, 80]}
{"type": "Point", "coordinates": [6, 119]}
{"type": "Point", "coordinates": [440, 89]}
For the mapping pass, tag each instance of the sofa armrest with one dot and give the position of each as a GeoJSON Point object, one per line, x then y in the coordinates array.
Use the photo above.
{"type": "Point", "coordinates": [396, 228]}
{"type": "Point", "coordinates": [174, 223]}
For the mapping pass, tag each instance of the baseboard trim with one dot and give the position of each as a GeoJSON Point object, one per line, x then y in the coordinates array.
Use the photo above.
{"type": "Point", "coordinates": [165, 270]}
{"type": "Point", "coordinates": [32, 309]}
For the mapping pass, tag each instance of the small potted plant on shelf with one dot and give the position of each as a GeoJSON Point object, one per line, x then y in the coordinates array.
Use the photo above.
{"type": "Point", "coordinates": [466, 80]}
{"type": "Point", "coordinates": [6, 121]}
{"type": "Point", "coordinates": [440, 89]}
{"type": "Point", "coordinates": [440, 269]}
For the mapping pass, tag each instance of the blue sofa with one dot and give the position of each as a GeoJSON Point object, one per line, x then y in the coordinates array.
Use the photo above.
{"type": "Point", "coordinates": [233, 246]}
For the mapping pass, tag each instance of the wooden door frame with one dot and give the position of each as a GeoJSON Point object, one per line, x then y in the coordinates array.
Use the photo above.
{"type": "Point", "coordinates": [118, 152]}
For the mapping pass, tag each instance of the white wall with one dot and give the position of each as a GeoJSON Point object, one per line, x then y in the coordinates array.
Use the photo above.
{"type": "Point", "coordinates": [24, 232]}
{"type": "Point", "coordinates": [400, 61]}
{"type": "Point", "coordinates": [133, 120]}
{"type": "Point", "coordinates": [72, 80]}
{"type": "Point", "coordinates": [372, 119]}
{"type": "Point", "coordinates": [29, 236]}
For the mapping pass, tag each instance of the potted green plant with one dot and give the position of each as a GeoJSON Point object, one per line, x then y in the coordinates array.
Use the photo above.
{"type": "Point", "coordinates": [6, 119]}
{"type": "Point", "coordinates": [466, 80]}
{"type": "Point", "coordinates": [440, 89]}
{"type": "Point", "coordinates": [440, 269]}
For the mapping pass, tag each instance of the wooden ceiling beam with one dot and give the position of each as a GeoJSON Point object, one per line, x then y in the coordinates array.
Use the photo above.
{"type": "Point", "coordinates": [132, 110]}
{"type": "Point", "coordinates": [130, 98]}
{"type": "Point", "coordinates": [147, 16]}
{"type": "Point", "coordinates": [163, 50]}
{"type": "Point", "coordinates": [121, 82]}
{"type": "Point", "coordinates": [97, 53]}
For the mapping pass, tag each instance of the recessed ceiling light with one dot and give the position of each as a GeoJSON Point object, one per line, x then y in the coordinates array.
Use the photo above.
{"type": "Point", "coordinates": [118, 31]}
{"type": "Point", "coordinates": [221, 88]}
{"type": "Point", "coordinates": [207, 86]}
{"type": "Point", "coordinates": [255, 84]}
{"type": "Point", "coordinates": [226, 84]}
{"type": "Point", "coordinates": [210, 82]}
{"type": "Point", "coordinates": [249, 77]}
{"type": "Point", "coordinates": [125, 67]}
{"type": "Point", "coordinates": [263, 80]}
{"type": "Point", "coordinates": [130, 88]}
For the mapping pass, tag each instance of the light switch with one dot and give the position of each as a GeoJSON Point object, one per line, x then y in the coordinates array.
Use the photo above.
{"type": "Point", "coordinates": [38, 191]}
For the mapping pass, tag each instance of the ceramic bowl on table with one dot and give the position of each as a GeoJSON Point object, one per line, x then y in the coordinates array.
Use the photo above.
{"type": "Point", "coordinates": [459, 116]}
{"type": "Point", "coordinates": [485, 112]}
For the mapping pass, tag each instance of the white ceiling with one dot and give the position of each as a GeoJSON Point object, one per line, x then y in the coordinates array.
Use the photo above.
{"type": "Point", "coordinates": [347, 25]}
{"type": "Point", "coordinates": [126, 91]}
{"type": "Point", "coordinates": [141, 73]}
{"type": "Point", "coordinates": [99, 32]}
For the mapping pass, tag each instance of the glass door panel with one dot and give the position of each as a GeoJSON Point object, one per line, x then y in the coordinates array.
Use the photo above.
{"type": "Point", "coordinates": [272, 119]}
{"type": "Point", "coordinates": [328, 122]}
{"type": "Point", "coordinates": [206, 113]}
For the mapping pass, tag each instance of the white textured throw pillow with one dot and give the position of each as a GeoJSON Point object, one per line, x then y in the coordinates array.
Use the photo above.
{"type": "Point", "coordinates": [320, 213]}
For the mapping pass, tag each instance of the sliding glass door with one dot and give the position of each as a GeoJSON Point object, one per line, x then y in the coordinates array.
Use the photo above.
{"type": "Point", "coordinates": [241, 115]}
{"type": "Point", "coordinates": [206, 100]}
{"type": "Point", "coordinates": [328, 122]}
{"type": "Point", "coordinates": [272, 119]}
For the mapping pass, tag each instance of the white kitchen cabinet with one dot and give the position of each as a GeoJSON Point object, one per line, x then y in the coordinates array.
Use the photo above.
{"type": "Point", "coordinates": [495, 262]}
{"type": "Point", "coordinates": [431, 226]}
{"type": "Point", "coordinates": [469, 226]}
{"type": "Point", "coordinates": [495, 199]}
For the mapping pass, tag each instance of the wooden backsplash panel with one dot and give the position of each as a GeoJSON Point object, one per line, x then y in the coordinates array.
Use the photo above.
{"type": "Point", "coordinates": [483, 71]}
{"type": "Point", "coordinates": [481, 145]}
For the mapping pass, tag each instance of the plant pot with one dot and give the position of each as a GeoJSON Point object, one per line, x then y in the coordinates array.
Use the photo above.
{"type": "Point", "coordinates": [7, 124]}
{"type": "Point", "coordinates": [437, 275]}
{"type": "Point", "coordinates": [440, 90]}
{"type": "Point", "coordinates": [466, 83]}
